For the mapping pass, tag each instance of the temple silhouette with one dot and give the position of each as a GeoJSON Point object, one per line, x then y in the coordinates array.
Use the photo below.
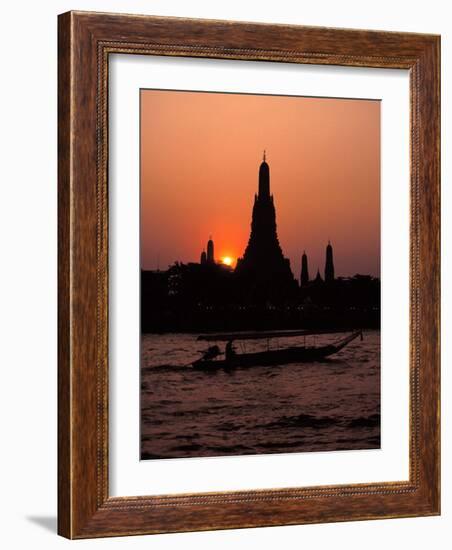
{"type": "Point", "coordinates": [328, 273]}
{"type": "Point", "coordinates": [209, 257]}
{"type": "Point", "coordinates": [329, 265]}
{"type": "Point", "coordinates": [264, 272]}
{"type": "Point", "coordinates": [261, 292]}
{"type": "Point", "coordinates": [304, 276]}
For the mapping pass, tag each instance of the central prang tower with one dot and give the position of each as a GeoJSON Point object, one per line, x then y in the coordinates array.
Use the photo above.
{"type": "Point", "coordinates": [264, 271]}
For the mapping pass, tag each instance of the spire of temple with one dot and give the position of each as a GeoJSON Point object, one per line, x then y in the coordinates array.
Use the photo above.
{"type": "Point", "coordinates": [329, 264]}
{"type": "Point", "coordinates": [210, 251]}
{"type": "Point", "coordinates": [264, 270]}
{"type": "Point", "coordinates": [318, 278]}
{"type": "Point", "coordinates": [264, 179]}
{"type": "Point", "coordinates": [304, 278]}
{"type": "Point", "coordinates": [203, 257]}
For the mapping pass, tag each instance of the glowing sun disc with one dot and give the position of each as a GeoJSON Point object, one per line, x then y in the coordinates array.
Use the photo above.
{"type": "Point", "coordinates": [227, 260]}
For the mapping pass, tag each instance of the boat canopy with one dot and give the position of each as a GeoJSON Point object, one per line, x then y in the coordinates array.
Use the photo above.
{"type": "Point", "coordinates": [264, 334]}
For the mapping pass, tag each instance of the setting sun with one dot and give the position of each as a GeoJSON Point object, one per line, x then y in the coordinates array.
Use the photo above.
{"type": "Point", "coordinates": [227, 260]}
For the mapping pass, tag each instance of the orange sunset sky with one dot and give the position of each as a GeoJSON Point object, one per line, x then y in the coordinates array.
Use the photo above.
{"type": "Point", "coordinates": [200, 157]}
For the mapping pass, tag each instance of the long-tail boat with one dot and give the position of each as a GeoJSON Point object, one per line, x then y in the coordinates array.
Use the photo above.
{"type": "Point", "coordinates": [211, 359]}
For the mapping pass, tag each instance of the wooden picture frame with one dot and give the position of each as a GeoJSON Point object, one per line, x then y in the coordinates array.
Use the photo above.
{"type": "Point", "coordinates": [85, 42]}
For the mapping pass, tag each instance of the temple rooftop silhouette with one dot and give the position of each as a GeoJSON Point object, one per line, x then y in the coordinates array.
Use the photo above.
{"type": "Point", "coordinates": [263, 271]}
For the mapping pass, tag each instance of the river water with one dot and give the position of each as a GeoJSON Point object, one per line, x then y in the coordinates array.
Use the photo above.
{"type": "Point", "coordinates": [325, 406]}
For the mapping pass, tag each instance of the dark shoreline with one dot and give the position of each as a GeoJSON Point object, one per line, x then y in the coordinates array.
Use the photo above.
{"type": "Point", "coordinates": [236, 319]}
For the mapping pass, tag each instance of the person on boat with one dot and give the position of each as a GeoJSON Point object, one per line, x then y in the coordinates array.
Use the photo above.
{"type": "Point", "coordinates": [229, 351]}
{"type": "Point", "coordinates": [211, 353]}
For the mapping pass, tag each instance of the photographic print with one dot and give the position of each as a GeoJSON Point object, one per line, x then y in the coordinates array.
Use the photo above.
{"type": "Point", "coordinates": [260, 274]}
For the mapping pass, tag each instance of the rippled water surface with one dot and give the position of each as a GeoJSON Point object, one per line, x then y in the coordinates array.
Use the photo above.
{"type": "Point", "coordinates": [332, 405]}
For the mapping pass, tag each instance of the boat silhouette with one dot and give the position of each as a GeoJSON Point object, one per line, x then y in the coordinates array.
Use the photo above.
{"type": "Point", "coordinates": [211, 358]}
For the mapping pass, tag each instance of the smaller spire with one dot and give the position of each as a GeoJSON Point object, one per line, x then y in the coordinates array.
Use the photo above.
{"type": "Point", "coordinates": [318, 278]}
{"type": "Point", "coordinates": [265, 156]}
{"type": "Point", "coordinates": [210, 251]}
{"type": "Point", "coordinates": [329, 264]}
{"type": "Point", "coordinates": [304, 277]}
